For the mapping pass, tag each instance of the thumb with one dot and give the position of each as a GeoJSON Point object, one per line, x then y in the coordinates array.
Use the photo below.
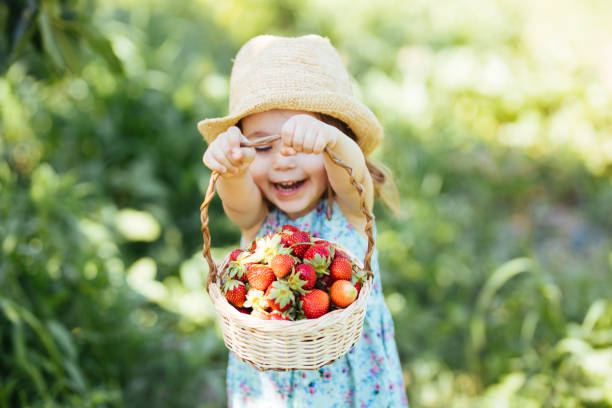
{"type": "Point", "coordinates": [248, 154]}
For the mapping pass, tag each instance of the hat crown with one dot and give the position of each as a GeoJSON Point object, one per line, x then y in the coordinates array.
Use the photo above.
{"type": "Point", "coordinates": [268, 65]}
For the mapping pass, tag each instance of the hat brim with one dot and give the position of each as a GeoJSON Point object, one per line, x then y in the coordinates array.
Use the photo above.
{"type": "Point", "coordinates": [356, 115]}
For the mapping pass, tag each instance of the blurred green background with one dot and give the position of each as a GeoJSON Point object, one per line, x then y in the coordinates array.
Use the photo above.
{"type": "Point", "coordinates": [498, 131]}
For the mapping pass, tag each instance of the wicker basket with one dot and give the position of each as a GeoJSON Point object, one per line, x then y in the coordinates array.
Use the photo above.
{"type": "Point", "coordinates": [307, 344]}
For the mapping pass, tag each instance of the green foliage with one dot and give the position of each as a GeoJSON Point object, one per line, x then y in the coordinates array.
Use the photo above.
{"type": "Point", "coordinates": [497, 132]}
{"type": "Point", "coordinates": [51, 32]}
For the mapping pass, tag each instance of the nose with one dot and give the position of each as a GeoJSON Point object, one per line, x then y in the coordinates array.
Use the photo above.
{"type": "Point", "coordinates": [282, 162]}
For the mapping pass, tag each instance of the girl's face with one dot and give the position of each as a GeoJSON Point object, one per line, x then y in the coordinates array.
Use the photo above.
{"type": "Point", "coordinates": [294, 184]}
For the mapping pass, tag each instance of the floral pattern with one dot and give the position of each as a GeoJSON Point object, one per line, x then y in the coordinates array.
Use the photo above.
{"type": "Point", "coordinates": [369, 375]}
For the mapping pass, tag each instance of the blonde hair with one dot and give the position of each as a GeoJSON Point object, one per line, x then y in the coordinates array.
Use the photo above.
{"type": "Point", "coordinates": [384, 186]}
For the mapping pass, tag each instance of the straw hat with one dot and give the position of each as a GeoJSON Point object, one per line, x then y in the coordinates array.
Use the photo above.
{"type": "Point", "coordinates": [303, 73]}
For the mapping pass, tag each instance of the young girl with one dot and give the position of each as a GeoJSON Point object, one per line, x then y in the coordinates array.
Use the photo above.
{"type": "Point", "coordinates": [299, 89]}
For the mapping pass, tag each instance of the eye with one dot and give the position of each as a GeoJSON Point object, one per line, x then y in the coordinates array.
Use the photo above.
{"type": "Point", "coordinates": [263, 148]}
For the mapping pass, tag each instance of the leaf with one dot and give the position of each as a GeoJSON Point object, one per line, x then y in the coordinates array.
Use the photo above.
{"type": "Point", "coordinates": [48, 38]}
{"type": "Point", "coordinates": [100, 45]}
{"type": "Point", "coordinates": [70, 51]}
{"type": "Point", "coordinates": [23, 32]}
{"type": "Point", "coordinates": [63, 338]}
{"type": "Point", "coordinates": [21, 358]}
{"type": "Point", "coordinates": [78, 382]}
{"type": "Point", "coordinates": [497, 279]}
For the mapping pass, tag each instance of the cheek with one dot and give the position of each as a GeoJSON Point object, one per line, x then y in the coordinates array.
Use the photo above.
{"type": "Point", "coordinates": [315, 167]}
{"type": "Point", "coordinates": [258, 172]}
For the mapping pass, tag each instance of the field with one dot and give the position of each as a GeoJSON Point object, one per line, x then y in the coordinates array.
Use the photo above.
{"type": "Point", "coordinates": [498, 269]}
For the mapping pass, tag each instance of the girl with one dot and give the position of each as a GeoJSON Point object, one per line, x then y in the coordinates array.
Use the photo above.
{"type": "Point", "coordinates": [299, 89]}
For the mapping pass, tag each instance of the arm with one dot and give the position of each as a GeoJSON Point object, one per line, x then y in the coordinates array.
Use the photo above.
{"type": "Point", "coordinates": [225, 155]}
{"type": "Point", "coordinates": [304, 133]}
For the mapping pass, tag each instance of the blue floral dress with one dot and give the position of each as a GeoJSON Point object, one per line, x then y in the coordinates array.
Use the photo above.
{"type": "Point", "coordinates": [369, 375]}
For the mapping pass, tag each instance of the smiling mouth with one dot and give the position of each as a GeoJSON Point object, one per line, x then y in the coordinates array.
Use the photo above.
{"type": "Point", "coordinates": [289, 186]}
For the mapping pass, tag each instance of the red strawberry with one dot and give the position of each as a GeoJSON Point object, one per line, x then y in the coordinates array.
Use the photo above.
{"type": "Point", "coordinates": [276, 315]}
{"type": "Point", "coordinates": [315, 303]}
{"type": "Point", "coordinates": [341, 254]}
{"type": "Point", "coordinates": [319, 256]}
{"type": "Point", "coordinates": [260, 276]}
{"type": "Point", "coordinates": [288, 228]}
{"type": "Point", "coordinates": [282, 264]}
{"type": "Point", "coordinates": [280, 297]}
{"type": "Point", "coordinates": [303, 278]}
{"type": "Point", "coordinates": [292, 236]}
{"type": "Point", "coordinates": [359, 277]}
{"type": "Point", "coordinates": [235, 292]}
{"type": "Point", "coordinates": [234, 254]}
{"type": "Point", "coordinates": [237, 271]}
{"type": "Point", "coordinates": [244, 310]}
{"type": "Point", "coordinates": [323, 242]}
{"type": "Point", "coordinates": [341, 268]}
{"type": "Point", "coordinates": [325, 282]}
{"type": "Point", "coordinates": [343, 293]}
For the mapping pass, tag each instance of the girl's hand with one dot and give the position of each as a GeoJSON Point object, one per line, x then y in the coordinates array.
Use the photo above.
{"type": "Point", "coordinates": [306, 134]}
{"type": "Point", "coordinates": [225, 155]}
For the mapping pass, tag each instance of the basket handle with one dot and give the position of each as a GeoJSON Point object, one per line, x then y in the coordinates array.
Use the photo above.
{"type": "Point", "coordinates": [264, 141]}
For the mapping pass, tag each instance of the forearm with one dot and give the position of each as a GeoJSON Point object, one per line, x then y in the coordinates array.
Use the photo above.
{"type": "Point", "coordinates": [242, 200]}
{"type": "Point", "coordinates": [349, 152]}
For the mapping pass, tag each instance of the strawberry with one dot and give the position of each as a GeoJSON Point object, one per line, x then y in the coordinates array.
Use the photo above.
{"type": "Point", "coordinates": [323, 242]}
{"type": "Point", "coordinates": [282, 264]}
{"type": "Point", "coordinates": [244, 310]}
{"type": "Point", "coordinates": [341, 268]}
{"type": "Point", "coordinates": [341, 254]}
{"type": "Point", "coordinates": [288, 229]}
{"type": "Point", "coordinates": [292, 236]}
{"type": "Point", "coordinates": [260, 314]}
{"type": "Point", "coordinates": [324, 282]}
{"type": "Point", "coordinates": [302, 278]}
{"type": "Point", "coordinates": [260, 276]}
{"type": "Point", "coordinates": [358, 278]}
{"type": "Point", "coordinates": [234, 254]}
{"type": "Point", "coordinates": [315, 303]}
{"type": "Point", "coordinates": [235, 292]}
{"type": "Point", "coordinates": [236, 270]}
{"type": "Point", "coordinates": [319, 256]}
{"type": "Point", "coordinates": [276, 315]}
{"type": "Point", "coordinates": [280, 297]}
{"type": "Point", "coordinates": [343, 293]}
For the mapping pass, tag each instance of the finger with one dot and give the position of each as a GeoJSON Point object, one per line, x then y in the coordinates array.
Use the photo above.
{"type": "Point", "coordinates": [287, 132]}
{"type": "Point", "coordinates": [298, 138]}
{"type": "Point", "coordinates": [248, 155]}
{"type": "Point", "coordinates": [287, 151]}
{"type": "Point", "coordinates": [319, 145]}
{"type": "Point", "coordinates": [214, 165]}
{"type": "Point", "coordinates": [232, 155]}
{"type": "Point", "coordinates": [234, 137]}
{"type": "Point", "coordinates": [309, 140]}
{"type": "Point", "coordinates": [224, 161]}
